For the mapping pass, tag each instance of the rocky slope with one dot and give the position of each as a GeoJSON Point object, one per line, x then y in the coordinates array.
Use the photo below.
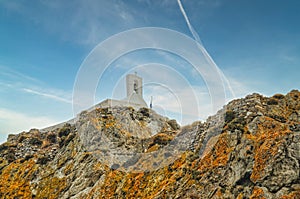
{"type": "Point", "coordinates": [249, 149]}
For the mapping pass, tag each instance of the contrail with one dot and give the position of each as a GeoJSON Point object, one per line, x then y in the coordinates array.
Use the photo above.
{"type": "Point", "coordinates": [194, 33]}
{"type": "Point", "coordinates": [201, 47]}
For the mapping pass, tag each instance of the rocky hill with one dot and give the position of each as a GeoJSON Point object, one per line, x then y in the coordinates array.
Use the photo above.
{"type": "Point", "coordinates": [249, 149]}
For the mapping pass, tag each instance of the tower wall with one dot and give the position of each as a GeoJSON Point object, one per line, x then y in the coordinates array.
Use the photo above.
{"type": "Point", "coordinates": [134, 84]}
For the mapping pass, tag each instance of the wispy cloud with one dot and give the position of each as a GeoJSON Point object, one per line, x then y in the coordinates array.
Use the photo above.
{"type": "Point", "coordinates": [47, 95]}
{"type": "Point", "coordinates": [16, 81]}
{"type": "Point", "coordinates": [15, 75]}
{"type": "Point", "coordinates": [287, 54]}
{"type": "Point", "coordinates": [81, 22]}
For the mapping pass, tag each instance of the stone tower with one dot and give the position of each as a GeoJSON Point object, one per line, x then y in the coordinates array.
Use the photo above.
{"type": "Point", "coordinates": [134, 84]}
{"type": "Point", "coordinates": [134, 87]}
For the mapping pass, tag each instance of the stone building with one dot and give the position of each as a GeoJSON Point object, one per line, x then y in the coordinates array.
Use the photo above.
{"type": "Point", "coordinates": [134, 98]}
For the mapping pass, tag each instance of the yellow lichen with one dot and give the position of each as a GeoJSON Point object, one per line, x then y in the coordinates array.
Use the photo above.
{"type": "Point", "coordinates": [51, 187]}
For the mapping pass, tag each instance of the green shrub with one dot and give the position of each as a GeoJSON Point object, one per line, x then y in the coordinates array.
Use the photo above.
{"type": "Point", "coordinates": [272, 101]}
{"type": "Point", "coordinates": [278, 96]}
{"type": "Point", "coordinates": [229, 116]}
{"type": "Point", "coordinates": [65, 130]}
{"type": "Point", "coordinates": [35, 141]}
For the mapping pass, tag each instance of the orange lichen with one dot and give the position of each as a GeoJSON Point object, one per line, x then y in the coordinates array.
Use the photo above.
{"type": "Point", "coordinates": [257, 193]}
{"type": "Point", "coordinates": [267, 142]}
{"type": "Point", "coordinates": [143, 184]}
{"type": "Point", "coordinates": [218, 194]}
{"type": "Point", "coordinates": [111, 183]}
{"type": "Point", "coordinates": [15, 180]}
{"type": "Point", "coordinates": [153, 148]}
{"type": "Point", "coordinates": [187, 176]}
{"type": "Point", "coordinates": [218, 155]}
{"type": "Point", "coordinates": [240, 196]}
{"type": "Point", "coordinates": [293, 195]}
{"type": "Point", "coordinates": [45, 144]}
{"type": "Point", "coordinates": [110, 122]}
{"type": "Point", "coordinates": [162, 138]}
{"type": "Point", "coordinates": [68, 168]}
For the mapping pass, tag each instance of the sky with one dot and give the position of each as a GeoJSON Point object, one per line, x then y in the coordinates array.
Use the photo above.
{"type": "Point", "coordinates": [44, 43]}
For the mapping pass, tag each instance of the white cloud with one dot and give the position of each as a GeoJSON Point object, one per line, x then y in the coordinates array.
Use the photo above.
{"type": "Point", "coordinates": [189, 103]}
{"type": "Point", "coordinates": [125, 62]}
{"type": "Point", "coordinates": [171, 91]}
{"type": "Point", "coordinates": [14, 122]}
{"type": "Point", "coordinates": [14, 83]}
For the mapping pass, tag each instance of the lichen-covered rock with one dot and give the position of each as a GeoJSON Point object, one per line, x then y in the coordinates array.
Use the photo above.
{"type": "Point", "coordinates": [249, 149]}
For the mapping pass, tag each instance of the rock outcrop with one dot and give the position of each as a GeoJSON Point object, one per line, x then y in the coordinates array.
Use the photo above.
{"type": "Point", "coordinates": [249, 149]}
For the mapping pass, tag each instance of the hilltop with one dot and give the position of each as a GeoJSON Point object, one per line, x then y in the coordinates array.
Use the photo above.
{"type": "Point", "coordinates": [249, 149]}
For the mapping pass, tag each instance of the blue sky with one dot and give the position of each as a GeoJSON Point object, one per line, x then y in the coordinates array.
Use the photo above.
{"type": "Point", "coordinates": [256, 44]}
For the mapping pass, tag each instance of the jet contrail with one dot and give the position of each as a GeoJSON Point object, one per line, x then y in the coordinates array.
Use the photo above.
{"type": "Point", "coordinates": [194, 33]}
{"type": "Point", "coordinates": [203, 50]}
